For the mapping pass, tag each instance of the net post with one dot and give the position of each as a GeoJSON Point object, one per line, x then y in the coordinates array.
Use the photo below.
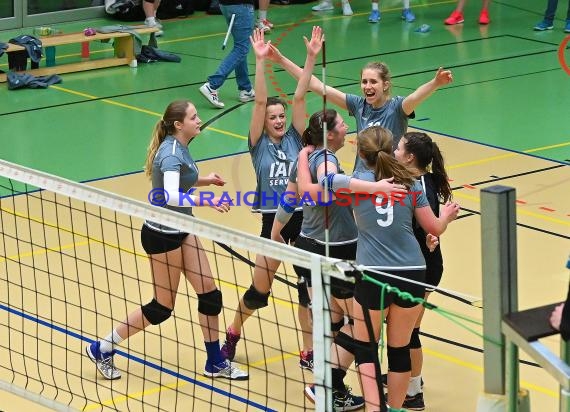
{"type": "Point", "coordinates": [321, 333]}
{"type": "Point", "coordinates": [499, 266]}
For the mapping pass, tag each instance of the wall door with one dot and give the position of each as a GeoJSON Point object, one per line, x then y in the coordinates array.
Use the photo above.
{"type": "Point", "coordinates": [16, 14]}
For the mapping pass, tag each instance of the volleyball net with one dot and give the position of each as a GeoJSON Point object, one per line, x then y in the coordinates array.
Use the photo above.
{"type": "Point", "coordinates": [72, 267]}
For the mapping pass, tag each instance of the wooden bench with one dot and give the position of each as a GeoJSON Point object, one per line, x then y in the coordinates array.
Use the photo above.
{"type": "Point", "coordinates": [124, 49]}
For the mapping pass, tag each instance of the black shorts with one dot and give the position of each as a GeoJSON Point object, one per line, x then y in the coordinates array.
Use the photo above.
{"type": "Point", "coordinates": [434, 268]}
{"type": "Point", "coordinates": [340, 289]}
{"type": "Point", "coordinates": [155, 242]}
{"type": "Point", "coordinates": [289, 232]}
{"type": "Point", "coordinates": [368, 293]}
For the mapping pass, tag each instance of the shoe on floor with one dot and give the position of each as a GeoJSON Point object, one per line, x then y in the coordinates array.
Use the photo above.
{"type": "Point", "coordinates": [346, 9]}
{"type": "Point", "coordinates": [374, 16]}
{"type": "Point", "coordinates": [211, 95]}
{"type": "Point", "coordinates": [346, 401]}
{"type": "Point", "coordinates": [414, 403]}
{"type": "Point", "coordinates": [261, 25]}
{"type": "Point", "coordinates": [324, 5]}
{"type": "Point", "coordinates": [244, 97]}
{"type": "Point", "coordinates": [567, 27]}
{"type": "Point", "coordinates": [543, 25]}
{"type": "Point", "coordinates": [103, 361]}
{"type": "Point", "coordinates": [454, 18]}
{"type": "Point", "coordinates": [306, 360]}
{"type": "Point", "coordinates": [408, 15]}
{"type": "Point", "coordinates": [267, 23]}
{"type": "Point", "coordinates": [484, 17]}
{"type": "Point", "coordinates": [226, 370]}
{"type": "Point", "coordinates": [229, 346]}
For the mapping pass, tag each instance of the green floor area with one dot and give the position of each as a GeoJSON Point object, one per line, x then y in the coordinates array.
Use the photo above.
{"type": "Point", "coordinates": [509, 88]}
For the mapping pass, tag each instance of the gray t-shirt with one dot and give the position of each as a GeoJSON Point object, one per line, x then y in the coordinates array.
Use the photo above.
{"type": "Point", "coordinates": [273, 163]}
{"type": "Point", "coordinates": [390, 116]}
{"type": "Point", "coordinates": [386, 238]}
{"type": "Point", "coordinates": [342, 228]}
{"type": "Point", "coordinates": [172, 156]}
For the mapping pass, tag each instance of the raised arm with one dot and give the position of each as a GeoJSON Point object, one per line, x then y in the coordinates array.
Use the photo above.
{"type": "Point", "coordinates": [304, 179]}
{"type": "Point", "coordinates": [261, 50]}
{"type": "Point", "coordinates": [442, 77]}
{"type": "Point", "coordinates": [299, 103]}
{"type": "Point", "coordinates": [334, 96]}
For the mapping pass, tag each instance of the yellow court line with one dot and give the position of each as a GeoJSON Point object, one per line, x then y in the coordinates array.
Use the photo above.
{"type": "Point", "coordinates": [519, 209]}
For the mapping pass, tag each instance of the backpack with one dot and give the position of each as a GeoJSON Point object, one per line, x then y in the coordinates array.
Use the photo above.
{"type": "Point", "coordinates": [174, 8]}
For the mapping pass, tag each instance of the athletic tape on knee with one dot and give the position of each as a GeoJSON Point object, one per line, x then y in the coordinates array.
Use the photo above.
{"type": "Point", "coordinates": [210, 304]}
{"type": "Point", "coordinates": [254, 300]}
{"type": "Point", "coordinates": [364, 352]}
{"type": "Point", "coordinates": [345, 341]}
{"type": "Point", "coordinates": [415, 342]}
{"type": "Point", "coordinates": [399, 359]}
{"type": "Point", "coordinates": [155, 313]}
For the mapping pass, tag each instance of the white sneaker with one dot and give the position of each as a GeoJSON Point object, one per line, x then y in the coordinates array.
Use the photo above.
{"type": "Point", "coordinates": [211, 95]}
{"type": "Point", "coordinates": [261, 25]}
{"type": "Point", "coordinates": [225, 370]}
{"type": "Point", "coordinates": [103, 361]}
{"type": "Point", "coordinates": [346, 9]}
{"type": "Point", "coordinates": [245, 96]}
{"type": "Point", "coordinates": [323, 6]}
{"type": "Point", "coordinates": [152, 22]}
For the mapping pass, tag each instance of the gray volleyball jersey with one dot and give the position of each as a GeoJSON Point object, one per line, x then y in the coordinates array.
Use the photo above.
{"type": "Point", "coordinates": [386, 238]}
{"type": "Point", "coordinates": [273, 163]}
{"type": "Point", "coordinates": [172, 156]}
{"type": "Point", "coordinates": [342, 228]}
{"type": "Point", "coordinates": [390, 116]}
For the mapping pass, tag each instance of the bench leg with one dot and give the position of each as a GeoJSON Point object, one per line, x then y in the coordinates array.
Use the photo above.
{"type": "Point", "coordinates": [125, 48]}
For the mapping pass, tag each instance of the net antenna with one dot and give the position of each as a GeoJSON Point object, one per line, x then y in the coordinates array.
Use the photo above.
{"type": "Point", "coordinates": [325, 145]}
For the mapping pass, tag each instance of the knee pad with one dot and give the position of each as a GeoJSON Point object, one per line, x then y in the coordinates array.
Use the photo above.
{"type": "Point", "coordinates": [399, 359]}
{"type": "Point", "coordinates": [210, 303]}
{"type": "Point", "coordinates": [336, 326]}
{"type": "Point", "coordinates": [345, 341]}
{"type": "Point", "coordinates": [155, 313]}
{"type": "Point", "coordinates": [303, 292]}
{"type": "Point", "coordinates": [254, 300]}
{"type": "Point", "coordinates": [365, 352]}
{"type": "Point", "coordinates": [415, 342]}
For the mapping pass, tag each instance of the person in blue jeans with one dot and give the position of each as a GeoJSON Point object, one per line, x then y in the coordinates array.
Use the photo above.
{"type": "Point", "coordinates": [548, 22]}
{"type": "Point", "coordinates": [237, 59]}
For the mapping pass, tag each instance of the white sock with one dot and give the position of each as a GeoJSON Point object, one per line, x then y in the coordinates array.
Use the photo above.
{"type": "Point", "coordinates": [406, 4]}
{"type": "Point", "coordinates": [262, 14]}
{"type": "Point", "coordinates": [415, 385]}
{"type": "Point", "coordinates": [374, 6]}
{"type": "Point", "coordinates": [108, 342]}
{"type": "Point", "coordinates": [345, 2]}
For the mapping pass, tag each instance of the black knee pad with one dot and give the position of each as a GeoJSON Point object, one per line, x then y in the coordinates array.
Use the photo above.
{"type": "Point", "coordinates": [399, 359]}
{"type": "Point", "coordinates": [254, 300]}
{"type": "Point", "coordinates": [365, 352]}
{"type": "Point", "coordinates": [345, 341]}
{"type": "Point", "coordinates": [210, 304]}
{"type": "Point", "coordinates": [303, 292]}
{"type": "Point", "coordinates": [415, 342]}
{"type": "Point", "coordinates": [155, 313]}
{"type": "Point", "coordinates": [336, 326]}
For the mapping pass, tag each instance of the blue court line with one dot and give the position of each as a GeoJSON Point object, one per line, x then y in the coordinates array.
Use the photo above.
{"type": "Point", "coordinates": [140, 360]}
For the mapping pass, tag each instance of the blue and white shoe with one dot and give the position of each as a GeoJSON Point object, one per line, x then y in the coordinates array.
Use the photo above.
{"type": "Point", "coordinates": [226, 370]}
{"type": "Point", "coordinates": [374, 16]}
{"type": "Point", "coordinates": [543, 25]}
{"type": "Point", "coordinates": [567, 27]}
{"type": "Point", "coordinates": [103, 361]}
{"type": "Point", "coordinates": [408, 15]}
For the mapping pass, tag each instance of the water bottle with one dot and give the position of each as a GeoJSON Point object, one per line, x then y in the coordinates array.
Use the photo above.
{"type": "Point", "coordinates": [424, 28]}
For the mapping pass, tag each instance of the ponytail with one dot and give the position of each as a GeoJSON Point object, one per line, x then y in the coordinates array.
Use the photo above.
{"type": "Point", "coordinates": [175, 112]}
{"type": "Point", "coordinates": [440, 175]}
{"type": "Point", "coordinates": [375, 147]}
